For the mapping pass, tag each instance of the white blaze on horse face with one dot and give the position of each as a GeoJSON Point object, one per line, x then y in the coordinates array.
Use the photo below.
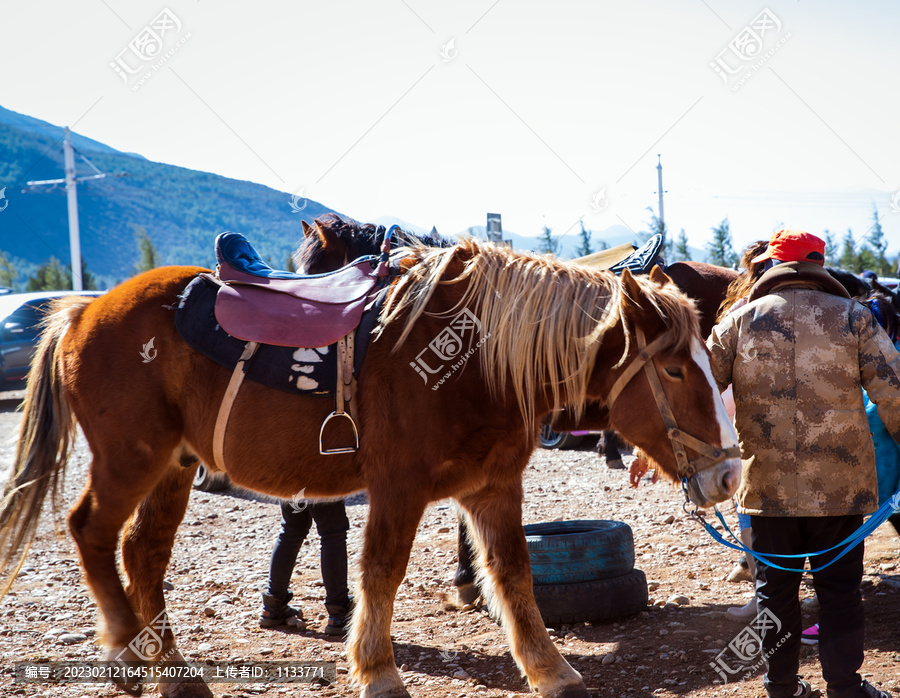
{"type": "Point", "coordinates": [720, 481]}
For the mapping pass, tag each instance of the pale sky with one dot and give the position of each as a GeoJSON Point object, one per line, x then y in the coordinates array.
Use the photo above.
{"type": "Point", "coordinates": [531, 111]}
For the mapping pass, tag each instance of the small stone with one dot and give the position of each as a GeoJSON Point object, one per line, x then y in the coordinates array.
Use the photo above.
{"type": "Point", "coordinates": [888, 566]}
{"type": "Point", "coordinates": [71, 638]}
{"type": "Point", "coordinates": [220, 599]}
{"type": "Point", "coordinates": [266, 651]}
{"type": "Point", "coordinates": [204, 647]}
{"type": "Point", "coordinates": [461, 674]}
{"type": "Point", "coordinates": [167, 585]}
{"type": "Point", "coordinates": [209, 612]}
{"type": "Point", "coordinates": [652, 586]}
{"type": "Point", "coordinates": [404, 667]}
{"type": "Point", "coordinates": [669, 520]}
{"type": "Point", "coordinates": [608, 659]}
{"type": "Point", "coordinates": [443, 529]}
{"type": "Point", "coordinates": [663, 632]}
{"type": "Point", "coordinates": [679, 599]}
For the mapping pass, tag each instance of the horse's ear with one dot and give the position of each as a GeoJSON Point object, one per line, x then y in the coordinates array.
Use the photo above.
{"type": "Point", "coordinates": [327, 235]}
{"type": "Point", "coordinates": [658, 276]}
{"type": "Point", "coordinates": [634, 294]}
{"type": "Point", "coordinates": [307, 229]}
{"type": "Point", "coordinates": [629, 285]}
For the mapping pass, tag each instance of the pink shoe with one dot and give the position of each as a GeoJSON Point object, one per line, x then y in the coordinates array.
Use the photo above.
{"type": "Point", "coordinates": [810, 636]}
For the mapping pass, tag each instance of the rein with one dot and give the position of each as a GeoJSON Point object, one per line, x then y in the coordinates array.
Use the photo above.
{"type": "Point", "coordinates": [709, 455]}
{"type": "Point", "coordinates": [882, 514]}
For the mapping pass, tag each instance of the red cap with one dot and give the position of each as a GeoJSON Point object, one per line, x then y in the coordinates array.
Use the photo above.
{"type": "Point", "coordinates": [794, 246]}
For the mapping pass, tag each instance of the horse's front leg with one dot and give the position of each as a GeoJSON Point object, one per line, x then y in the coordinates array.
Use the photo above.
{"type": "Point", "coordinates": [495, 515]}
{"type": "Point", "coordinates": [393, 518]}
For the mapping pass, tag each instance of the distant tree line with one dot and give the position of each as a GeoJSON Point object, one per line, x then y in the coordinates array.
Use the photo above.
{"type": "Point", "coordinates": [53, 275]}
{"type": "Point", "coordinates": [855, 254]}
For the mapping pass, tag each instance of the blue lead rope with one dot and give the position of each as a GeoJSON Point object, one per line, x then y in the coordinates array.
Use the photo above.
{"type": "Point", "coordinates": [882, 514]}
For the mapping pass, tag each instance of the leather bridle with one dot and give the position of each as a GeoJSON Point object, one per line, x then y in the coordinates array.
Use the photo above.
{"type": "Point", "coordinates": [709, 455]}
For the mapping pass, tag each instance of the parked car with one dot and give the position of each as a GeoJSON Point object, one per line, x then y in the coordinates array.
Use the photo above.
{"type": "Point", "coordinates": [20, 315]}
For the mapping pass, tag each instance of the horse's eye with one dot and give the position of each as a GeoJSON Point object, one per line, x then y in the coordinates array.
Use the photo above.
{"type": "Point", "coordinates": [675, 374]}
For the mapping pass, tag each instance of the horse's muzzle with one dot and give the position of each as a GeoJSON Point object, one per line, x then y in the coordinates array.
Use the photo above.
{"type": "Point", "coordinates": [715, 484]}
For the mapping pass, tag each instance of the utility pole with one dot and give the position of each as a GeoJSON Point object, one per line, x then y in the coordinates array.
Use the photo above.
{"type": "Point", "coordinates": [662, 218]}
{"type": "Point", "coordinates": [71, 182]}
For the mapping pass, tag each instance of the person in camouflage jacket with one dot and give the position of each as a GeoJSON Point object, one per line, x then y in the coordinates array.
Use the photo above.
{"type": "Point", "coordinates": [798, 355]}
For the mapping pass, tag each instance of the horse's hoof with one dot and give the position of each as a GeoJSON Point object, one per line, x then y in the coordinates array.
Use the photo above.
{"type": "Point", "coordinates": [467, 593]}
{"type": "Point", "coordinates": [185, 690]}
{"type": "Point", "coordinates": [578, 691]}
{"type": "Point", "coordinates": [126, 655]}
{"type": "Point", "coordinates": [132, 689]}
{"type": "Point", "coordinates": [615, 464]}
{"type": "Point", "coordinates": [393, 693]}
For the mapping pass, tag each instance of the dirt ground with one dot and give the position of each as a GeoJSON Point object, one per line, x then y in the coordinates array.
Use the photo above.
{"type": "Point", "coordinates": [220, 564]}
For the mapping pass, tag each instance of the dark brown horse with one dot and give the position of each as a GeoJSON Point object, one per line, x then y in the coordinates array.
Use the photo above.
{"type": "Point", "coordinates": [551, 334]}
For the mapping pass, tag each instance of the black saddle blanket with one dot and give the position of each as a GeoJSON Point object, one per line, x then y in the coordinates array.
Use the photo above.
{"type": "Point", "coordinates": [292, 370]}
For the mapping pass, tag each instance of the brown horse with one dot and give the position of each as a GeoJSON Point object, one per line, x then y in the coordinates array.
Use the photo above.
{"type": "Point", "coordinates": [553, 334]}
{"type": "Point", "coordinates": [334, 241]}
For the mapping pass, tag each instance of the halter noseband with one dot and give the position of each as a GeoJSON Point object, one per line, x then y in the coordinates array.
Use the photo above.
{"type": "Point", "coordinates": [710, 455]}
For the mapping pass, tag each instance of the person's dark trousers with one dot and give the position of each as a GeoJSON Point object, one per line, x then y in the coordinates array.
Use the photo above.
{"type": "Point", "coordinates": [332, 525]}
{"type": "Point", "coordinates": [841, 622]}
{"type": "Point", "coordinates": [895, 521]}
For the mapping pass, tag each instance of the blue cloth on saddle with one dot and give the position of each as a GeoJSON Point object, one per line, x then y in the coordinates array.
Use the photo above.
{"type": "Point", "coordinates": [291, 370]}
{"type": "Point", "coordinates": [241, 255]}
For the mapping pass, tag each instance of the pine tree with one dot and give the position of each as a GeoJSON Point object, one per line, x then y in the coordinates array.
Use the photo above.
{"type": "Point", "coordinates": [8, 273]}
{"type": "Point", "coordinates": [548, 244]}
{"type": "Point", "coordinates": [682, 253]}
{"type": "Point", "coordinates": [879, 245]}
{"type": "Point", "coordinates": [50, 276]}
{"type": "Point", "coordinates": [149, 256]}
{"type": "Point", "coordinates": [720, 250]}
{"type": "Point", "coordinates": [584, 248]}
{"type": "Point", "coordinates": [830, 249]}
{"type": "Point", "coordinates": [848, 257]}
{"type": "Point", "coordinates": [53, 276]}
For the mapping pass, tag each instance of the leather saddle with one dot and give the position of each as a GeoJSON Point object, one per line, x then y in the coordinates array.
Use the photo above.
{"type": "Point", "coordinates": [260, 304]}
{"type": "Point", "coordinates": [616, 259]}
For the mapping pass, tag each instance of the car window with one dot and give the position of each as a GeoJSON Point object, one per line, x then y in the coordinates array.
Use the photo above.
{"type": "Point", "coordinates": [25, 320]}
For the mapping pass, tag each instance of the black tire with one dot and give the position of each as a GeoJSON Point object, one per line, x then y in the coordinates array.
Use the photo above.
{"type": "Point", "coordinates": [587, 602]}
{"type": "Point", "coordinates": [556, 439]}
{"type": "Point", "coordinates": [205, 481]}
{"type": "Point", "coordinates": [572, 552]}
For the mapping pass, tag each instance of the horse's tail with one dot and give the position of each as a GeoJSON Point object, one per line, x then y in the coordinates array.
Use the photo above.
{"type": "Point", "coordinates": [48, 428]}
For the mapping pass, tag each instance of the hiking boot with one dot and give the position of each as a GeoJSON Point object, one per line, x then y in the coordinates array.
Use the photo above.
{"type": "Point", "coordinates": [740, 572]}
{"type": "Point", "coordinates": [277, 612]}
{"type": "Point", "coordinates": [743, 614]}
{"type": "Point", "coordinates": [869, 691]}
{"type": "Point", "coordinates": [810, 636]}
{"type": "Point", "coordinates": [803, 690]}
{"type": "Point", "coordinates": [338, 618]}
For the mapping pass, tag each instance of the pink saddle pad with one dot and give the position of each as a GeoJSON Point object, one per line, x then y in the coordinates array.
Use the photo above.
{"type": "Point", "coordinates": [309, 312]}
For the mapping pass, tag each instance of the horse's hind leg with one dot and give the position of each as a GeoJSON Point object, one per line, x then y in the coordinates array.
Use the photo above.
{"type": "Point", "coordinates": [495, 515]}
{"type": "Point", "coordinates": [114, 489]}
{"type": "Point", "coordinates": [393, 519]}
{"type": "Point", "coordinates": [146, 551]}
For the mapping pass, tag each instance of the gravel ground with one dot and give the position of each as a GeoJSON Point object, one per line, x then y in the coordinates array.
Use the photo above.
{"type": "Point", "coordinates": [220, 563]}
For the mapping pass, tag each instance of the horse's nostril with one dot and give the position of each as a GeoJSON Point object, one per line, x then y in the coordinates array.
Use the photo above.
{"type": "Point", "coordinates": [727, 480]}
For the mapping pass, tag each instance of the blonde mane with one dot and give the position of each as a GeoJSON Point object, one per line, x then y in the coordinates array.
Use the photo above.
{"type": "Point", "coordinates": [543, 319]}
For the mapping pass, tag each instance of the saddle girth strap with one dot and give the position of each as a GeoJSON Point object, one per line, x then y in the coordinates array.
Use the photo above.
{"type": "Point", "coordinates": [234, 385]}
